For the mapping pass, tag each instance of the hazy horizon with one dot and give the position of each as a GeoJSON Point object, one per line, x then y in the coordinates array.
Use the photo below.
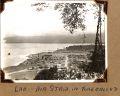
{"type": "Point", "coordinates": [89, 38]}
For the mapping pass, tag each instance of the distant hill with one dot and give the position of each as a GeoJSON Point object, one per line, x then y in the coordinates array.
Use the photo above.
{"type": "Point", "coordinates": [90, 38]}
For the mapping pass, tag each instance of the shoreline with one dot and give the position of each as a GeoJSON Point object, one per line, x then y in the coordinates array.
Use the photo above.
{"type": "Point", "coordinates": [46, 60]}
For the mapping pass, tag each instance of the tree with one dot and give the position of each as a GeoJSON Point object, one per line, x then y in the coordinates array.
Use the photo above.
{"type": "Point", "coordinates": [73, 17]}
{"type": "Point", "coordinates": [72, 14]}
{"type": "Point", "coordinates": [47, 74]}
{"type": "Point", "coordinates": [98, 57]}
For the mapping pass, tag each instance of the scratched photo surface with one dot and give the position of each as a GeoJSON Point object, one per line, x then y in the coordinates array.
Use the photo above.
{"type": "Point", "coordinates": [59, 41]}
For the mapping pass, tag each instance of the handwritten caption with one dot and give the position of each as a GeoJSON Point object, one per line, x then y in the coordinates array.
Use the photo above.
{"type": "Point", "coordinates": [55, 88]}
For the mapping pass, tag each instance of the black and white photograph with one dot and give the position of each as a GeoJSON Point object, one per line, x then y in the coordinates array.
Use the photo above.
{"type": "Point", "coordinates": [54, 41]}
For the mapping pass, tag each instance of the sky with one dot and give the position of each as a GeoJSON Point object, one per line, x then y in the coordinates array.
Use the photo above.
{"type": "Point", "coordinates": [20, 19]}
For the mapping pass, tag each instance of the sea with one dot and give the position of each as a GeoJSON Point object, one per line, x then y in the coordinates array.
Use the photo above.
{"type": "Point", "coordinates": [12, 54]}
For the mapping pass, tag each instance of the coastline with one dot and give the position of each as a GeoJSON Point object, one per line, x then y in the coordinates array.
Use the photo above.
{"type": "Point", "coordinates": [78, 54]}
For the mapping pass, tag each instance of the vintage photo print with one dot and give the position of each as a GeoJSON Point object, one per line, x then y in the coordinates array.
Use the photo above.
{"type": "Point", "coordinates": [54, 41]}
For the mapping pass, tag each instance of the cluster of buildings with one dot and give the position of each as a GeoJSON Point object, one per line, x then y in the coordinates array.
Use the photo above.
{"type": "Point", "coordinates": [70, 65]}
